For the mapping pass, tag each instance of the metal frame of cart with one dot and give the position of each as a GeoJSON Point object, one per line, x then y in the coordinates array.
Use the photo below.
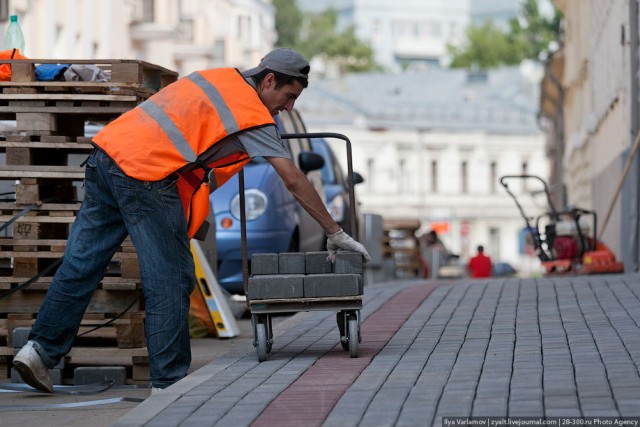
{"type": "Point", "coordinates": [347, 307]}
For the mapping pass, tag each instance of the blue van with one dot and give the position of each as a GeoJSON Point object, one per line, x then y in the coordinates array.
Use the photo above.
{"type": "Point", "coordinates": [336, 186]}
{"type": "Point", "coordinates": [275, 220]}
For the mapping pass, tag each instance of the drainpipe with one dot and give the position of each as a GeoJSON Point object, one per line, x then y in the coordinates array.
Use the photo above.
{"type": "Point", "coordinates": [559, 196]}
{"type": "Point", "coordinates": [630, 189]}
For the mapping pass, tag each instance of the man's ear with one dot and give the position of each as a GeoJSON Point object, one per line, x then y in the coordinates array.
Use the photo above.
{"type": "Point", "coordinates": [269, 80]}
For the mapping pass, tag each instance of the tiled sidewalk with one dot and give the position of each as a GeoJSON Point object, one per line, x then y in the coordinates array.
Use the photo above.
{"type": "Point", "coordinates": [552, 347]}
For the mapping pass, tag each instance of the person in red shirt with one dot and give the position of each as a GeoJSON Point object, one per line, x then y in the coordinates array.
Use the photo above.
{"type": "Point", "coordinates": [480, 265]}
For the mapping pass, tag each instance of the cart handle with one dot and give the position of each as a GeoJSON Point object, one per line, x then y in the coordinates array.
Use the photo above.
{"type": "Point", "coordinates": [536, 177]}
{"type": "Point", "coordinates": [352, 197]}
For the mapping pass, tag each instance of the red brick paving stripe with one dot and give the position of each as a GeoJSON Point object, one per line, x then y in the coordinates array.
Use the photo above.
{"type": "Point", "coordinates": [309, 399]}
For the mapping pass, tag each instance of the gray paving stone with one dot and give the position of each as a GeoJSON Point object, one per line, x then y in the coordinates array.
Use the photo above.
{"type": "Point", "coordinates": [264, 263]}
{"type": "Point", "coordinates": [348, 263]}
{"type": "Point", "coordinates": [99, 374]}
{"type": "Point", "coordinates": [55, 374]}
{"type": "Point", "coordinates": [317, 263]}
{"type": "Point", "coordinates": [20, 336]}
{"type": "Point", "coordinates": [326, 285]}
{"type": "Point", "coordinates": [276, 286]}
{"type": "Point", "coordinates": [291, 263]}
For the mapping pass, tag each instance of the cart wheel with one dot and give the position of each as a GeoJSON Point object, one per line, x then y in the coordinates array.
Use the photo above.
{"type": "Point", "coordinates": [269, 334]}
{"type": "Point", "coordinates": [354, 335]}
{"type": "Point", "coordinates": [344, 339]}
{"type": "Point", "coordinates": [261, 342]}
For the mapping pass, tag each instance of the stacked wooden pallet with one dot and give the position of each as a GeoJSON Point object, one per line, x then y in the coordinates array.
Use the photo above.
{"type": "Point", "coordinates": [42, 145]}
{"type": "Point", "coordinates": [401, 245]}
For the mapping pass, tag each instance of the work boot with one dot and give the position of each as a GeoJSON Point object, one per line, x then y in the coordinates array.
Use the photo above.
{"type": "Point", "coordinates": [32, 369]}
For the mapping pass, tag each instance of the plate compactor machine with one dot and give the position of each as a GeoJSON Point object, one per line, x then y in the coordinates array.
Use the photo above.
{"type": "Point", "coordinates": [566, 245]}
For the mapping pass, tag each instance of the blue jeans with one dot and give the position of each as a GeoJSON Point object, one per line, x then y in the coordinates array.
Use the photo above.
{"type": "Point", "coordinates": [151, 212]}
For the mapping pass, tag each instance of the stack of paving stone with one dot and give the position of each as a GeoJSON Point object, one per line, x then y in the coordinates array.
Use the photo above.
{"type": "Point", "coordinates": [305, 275]}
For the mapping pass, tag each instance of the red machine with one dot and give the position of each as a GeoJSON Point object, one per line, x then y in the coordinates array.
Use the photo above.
{"type": "Point", "coordinates": [567, 245]}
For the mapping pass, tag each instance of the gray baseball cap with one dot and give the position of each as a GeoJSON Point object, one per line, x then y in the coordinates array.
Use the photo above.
{"type": "Point", "coordinates": [283, 60]}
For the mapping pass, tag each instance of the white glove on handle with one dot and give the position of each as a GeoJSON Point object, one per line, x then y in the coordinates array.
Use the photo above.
{"type": "Point", "coordinates": [341, 240]}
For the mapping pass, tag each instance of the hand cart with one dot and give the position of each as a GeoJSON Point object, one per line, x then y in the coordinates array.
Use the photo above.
{"type": "Point", "coordinates": [347, 307]}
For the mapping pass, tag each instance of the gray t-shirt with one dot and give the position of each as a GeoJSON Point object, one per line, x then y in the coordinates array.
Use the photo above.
{"type": "Point", "coordinates": [255, 142]}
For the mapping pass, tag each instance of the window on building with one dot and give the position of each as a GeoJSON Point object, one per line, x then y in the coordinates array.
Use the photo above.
{"type": "Point", "coordinates": [464, 177]}
{"type": "Point", "coordinates": [525, 182]}
{"type": "Point", "coordinates": [434, 176]}
{"type": "Point", "coordinates": [494, 243]}
{"type": "Point", "coordinates": [402, 185]}
{"type": "Point", "coordinates": [435, 30]}
{"type": "Point", "coordinates": [142, 11]}
{"type": "Point", "coordinates": [376, 28]}
{"type": "Point", "coordinates": [493, 177]}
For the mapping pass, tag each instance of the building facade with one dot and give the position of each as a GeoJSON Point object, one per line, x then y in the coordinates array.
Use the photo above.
{"type": "Point", "coordinates": [182, 35]}
{"type": "Point", "coordinates": [590, 106]}
{"type": "Point", "coordinates": [433, 146]}
{"type": "Point", "coordinates": [405, 34]}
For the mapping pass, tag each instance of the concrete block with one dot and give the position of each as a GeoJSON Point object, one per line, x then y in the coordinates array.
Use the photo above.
{"type": "Point", "coordinates": [332, 285]}
{"type": "Point", "coordinates": [100, 374]}
{"type": "Point", "coordinates": [276, 286]}
{"type": "Point", "coordinates": [56, 376]}
{"type": "Point", "coordinates": [348, 263]}
{"type": "Point", "coordinates": [316, 263]}
{"type": "Point", "coordinates": [291, 263]}
{"type": "Point", "coordinates": [20, 336]}
{"type": "Point", "coordinates": [266, 263]}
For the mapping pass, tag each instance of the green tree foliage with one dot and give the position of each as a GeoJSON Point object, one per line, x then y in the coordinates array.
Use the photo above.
{"type": "Point", "coordinates": [317, 35]}
{"type": "Point", "coordinates": [288, 22]}
{"type": "Point", "coordinates": [320, 37]}
{"type": "Point", "coordinates": [534, 32]}
{"type": "Point", "coordinates": [487, 46]}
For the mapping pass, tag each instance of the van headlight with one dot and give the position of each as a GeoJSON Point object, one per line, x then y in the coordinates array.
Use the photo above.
{"type": "Point", "coordinates": [255, 204]}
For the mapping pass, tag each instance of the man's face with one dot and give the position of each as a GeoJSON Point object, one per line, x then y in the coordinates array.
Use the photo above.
{"type": "Point", "coordinates": [279, 99]}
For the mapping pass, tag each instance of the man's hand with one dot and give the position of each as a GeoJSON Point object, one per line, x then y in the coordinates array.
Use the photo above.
{"type": "Point", "coordinates": [341, 240]}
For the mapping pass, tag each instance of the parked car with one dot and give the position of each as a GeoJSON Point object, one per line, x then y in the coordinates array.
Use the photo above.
{"type": "Point", "coordinates": [336, 186]}
{"type": "Point", "coordinates": [275, 220]}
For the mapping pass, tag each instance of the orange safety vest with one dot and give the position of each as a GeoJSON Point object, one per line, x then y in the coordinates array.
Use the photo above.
{"type": "Point", "coordinates": [176, 126]}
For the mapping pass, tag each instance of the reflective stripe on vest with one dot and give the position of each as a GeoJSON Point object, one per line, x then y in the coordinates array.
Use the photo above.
{"type": "Point", "coordinates": [226, 117]}
{"type": "Point", "coordinates": [175, 128]}
{"type": "Point", "coordinates": [174, 134]}
{"type": "Point", "coordinates": [225, 114]}
{"type": "Point", "coordinates": [180, 123]}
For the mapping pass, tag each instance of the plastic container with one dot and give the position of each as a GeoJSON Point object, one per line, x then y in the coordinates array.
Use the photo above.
{"type": "Point", "coordinates": [13, 38]}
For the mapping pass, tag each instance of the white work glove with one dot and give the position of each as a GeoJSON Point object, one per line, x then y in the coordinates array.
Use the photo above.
{"type": "Point", "coordinates": [341, 240]}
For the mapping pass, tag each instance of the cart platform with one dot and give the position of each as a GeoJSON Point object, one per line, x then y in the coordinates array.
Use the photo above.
{"type": "Point", "coordinates": [292, 282]}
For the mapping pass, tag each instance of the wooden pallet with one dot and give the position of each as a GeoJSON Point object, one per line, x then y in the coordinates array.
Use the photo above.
{"type": "Point", "coordinates": [135, 360]}
{"type": "Point", "coordinates": [120, 344]}
{"type": "Point", "coordinates": [50, 123]}
{"type": "Point", "coordinates": [126, 331]}
{"type": "Point", "coordinates": [123, 73]}
{"type": "Point", "coordinates": [113, 296]}
{"type": "Point", "coordinates": [62, 107]}
{"type": "Point", "coordinates": [29, 251]}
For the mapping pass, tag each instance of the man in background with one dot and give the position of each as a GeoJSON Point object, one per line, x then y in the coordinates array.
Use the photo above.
{"type": "Point", "coordinates": [480, 265]}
